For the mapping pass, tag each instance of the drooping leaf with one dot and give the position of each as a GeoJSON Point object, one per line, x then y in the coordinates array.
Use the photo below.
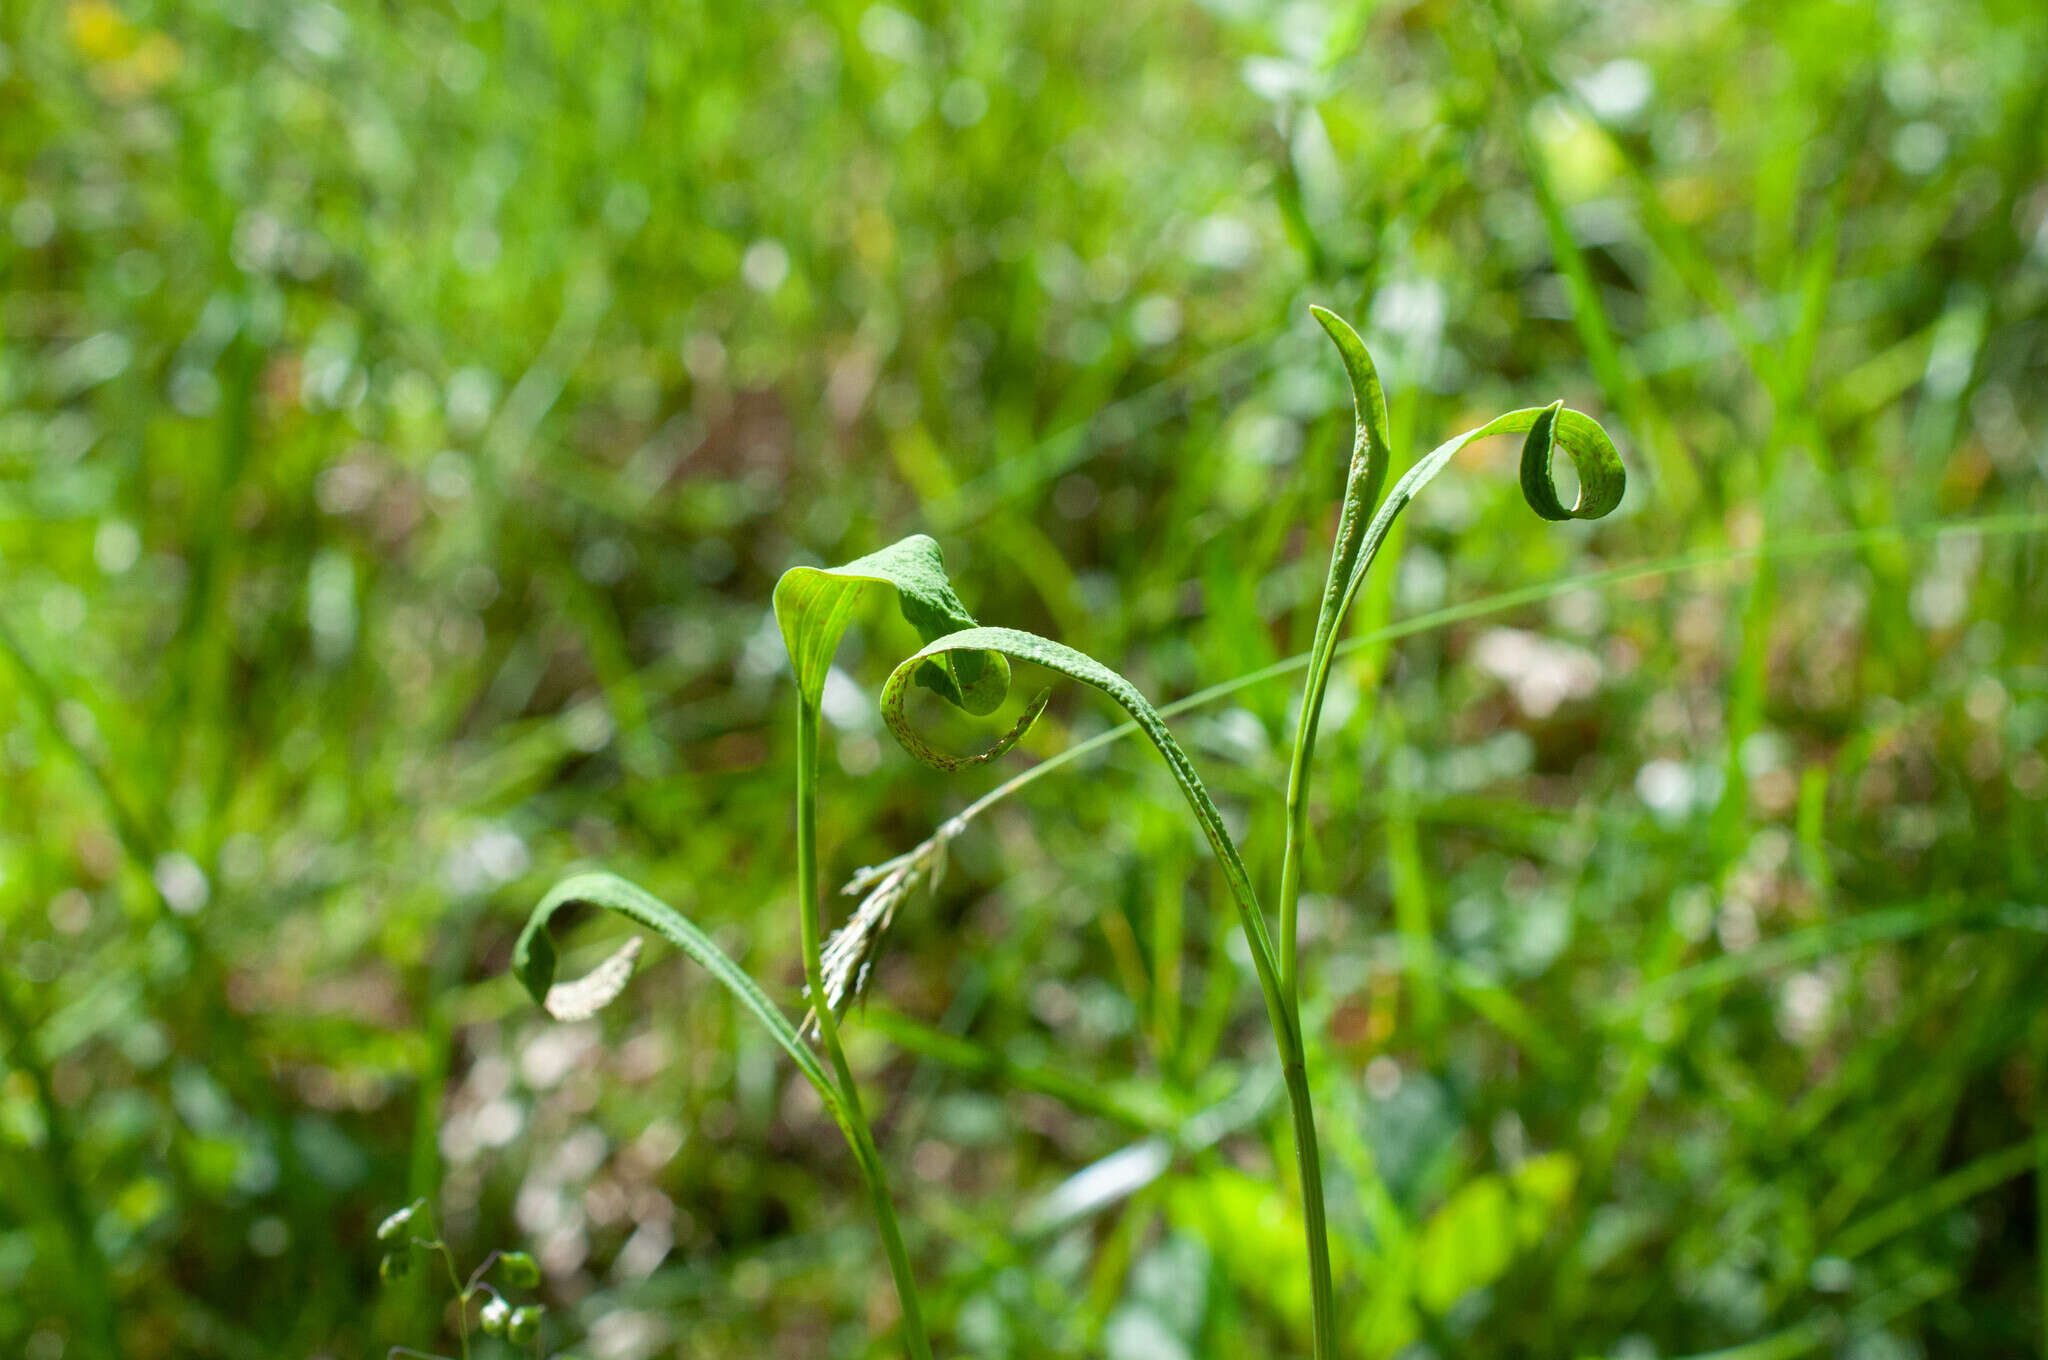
{"type": "Point", "coordinates": [534, 958]}
{"type": "Point", "coordinates": [813, 606]}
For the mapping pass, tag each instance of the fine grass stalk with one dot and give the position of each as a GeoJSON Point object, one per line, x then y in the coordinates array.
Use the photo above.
{"type": "Point", "coordinates": [853, 1119]}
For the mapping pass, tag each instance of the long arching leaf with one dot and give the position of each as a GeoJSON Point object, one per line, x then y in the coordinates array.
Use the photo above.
{"type": "Point", "coordinates": [1022, 646]}
{"type": "Point", "coordinates": [534, 958]}
{"type": "Point", "coordinates": [1280, 1011]}
{"type": "Point", "coordinates": [813, 606]}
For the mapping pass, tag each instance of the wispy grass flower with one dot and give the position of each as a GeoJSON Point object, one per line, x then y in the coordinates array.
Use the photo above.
{"type": "Point", "coordinates": [850, 952]}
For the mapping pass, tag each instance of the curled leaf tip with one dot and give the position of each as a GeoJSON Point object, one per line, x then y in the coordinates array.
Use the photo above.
{"type": "Point", "coordinates": [893, 713]}
{"type": "Point", "coordinates": [1602, 479]}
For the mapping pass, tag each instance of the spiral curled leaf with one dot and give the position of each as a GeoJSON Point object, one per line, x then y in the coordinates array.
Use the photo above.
{"type": "Point", "coordinates": [1602, 480]}
{"type": "Point", "coordinates": [534, 959]}
{"type": "Point", "coordinates": [814, 605]}
{"type": "Point", "coordinates": [1601, 477]}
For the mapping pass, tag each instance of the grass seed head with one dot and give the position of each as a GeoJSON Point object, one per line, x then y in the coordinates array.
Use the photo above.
{"type": "Point", "coordinates": [850, 951]}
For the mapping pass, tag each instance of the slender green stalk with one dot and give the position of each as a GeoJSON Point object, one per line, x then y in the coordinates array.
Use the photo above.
{"type": "Point", "coordinates": [854, 1120]}
{"type": "Point", "coordinates": [812, 607]}
{"type": "Point", "coordinates": [461, 1295]}
{"type": "Point", "coordinates": [1322, 1292]}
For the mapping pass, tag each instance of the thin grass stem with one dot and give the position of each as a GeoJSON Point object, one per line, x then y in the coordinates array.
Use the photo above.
{"type": "Point", "coordinates": [854, 1118]}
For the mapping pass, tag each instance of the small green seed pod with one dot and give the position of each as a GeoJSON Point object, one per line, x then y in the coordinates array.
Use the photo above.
{"type": "Point", "coordinates": [495, 1315]}
{"type": "Point", "coordinates": [517, 1269]}
{"type": "Point", "coordinates": [525, 1323]}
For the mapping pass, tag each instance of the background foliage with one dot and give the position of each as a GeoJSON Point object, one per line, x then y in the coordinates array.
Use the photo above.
{"type": "Point", "coordinates": [405, 411]}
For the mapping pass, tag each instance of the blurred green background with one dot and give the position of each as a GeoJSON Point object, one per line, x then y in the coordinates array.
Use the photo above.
{"type": "Point", "coordinates": [406, 409]}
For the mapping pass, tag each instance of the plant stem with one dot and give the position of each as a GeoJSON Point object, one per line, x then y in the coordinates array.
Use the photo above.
{"type": "Point", "coordinates": [2041, 1183]}
{"type": "Point", "coordinates": [1281, 1013]}
{"type": "Point", "coordinates": [1322, 1292]}
{"type": "Point", "coordinates": [854, 1122]}
{"type": "Point", "coordinates": [1294, 1064]}
{"type": "Point", "coordinates": [1285, 1014]}
{"type": "Point", "coordinates": [1297, 827]}
{"type": "Point", "coordinates": [461, 1294]}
